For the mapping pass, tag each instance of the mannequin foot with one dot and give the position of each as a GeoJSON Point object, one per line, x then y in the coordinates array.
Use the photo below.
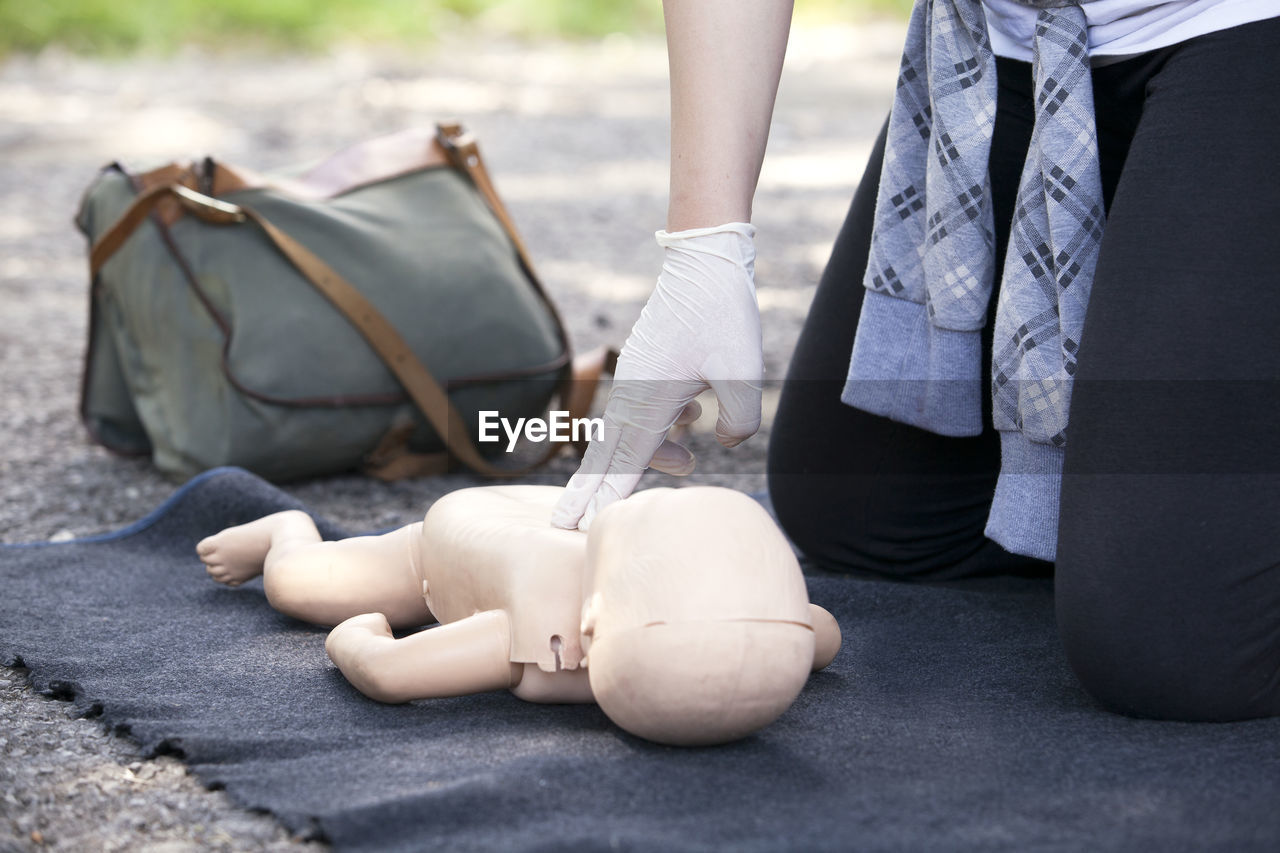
{"type": "Point", "coordinates": [237, 554]}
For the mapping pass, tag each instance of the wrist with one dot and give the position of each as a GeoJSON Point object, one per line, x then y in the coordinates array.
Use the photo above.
{"type": "Point", "coordinates": [697, 201]}
{"type": "Point", "coordinates": [699, 254]}
{"type": "Point", "coordinates": [667, 238]}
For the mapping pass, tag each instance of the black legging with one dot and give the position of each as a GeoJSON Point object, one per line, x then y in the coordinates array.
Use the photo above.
{"type": "Point", "coordinates": [1168, 561]}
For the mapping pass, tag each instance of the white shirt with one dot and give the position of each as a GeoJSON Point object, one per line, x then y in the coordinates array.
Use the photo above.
{"type": "Point", "coordinates": [1119, 28]}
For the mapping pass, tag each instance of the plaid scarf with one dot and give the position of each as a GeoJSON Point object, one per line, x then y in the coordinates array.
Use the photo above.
{"type": "Point", "coordinates": [933, 244]}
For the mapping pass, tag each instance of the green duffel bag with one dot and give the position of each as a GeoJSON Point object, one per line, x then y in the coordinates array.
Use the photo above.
{"type": "Point", "coordinates": [358, 315]}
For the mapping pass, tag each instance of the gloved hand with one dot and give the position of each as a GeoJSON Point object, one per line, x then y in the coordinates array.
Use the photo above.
{"type": "Point", "coordinates": [700, 329]}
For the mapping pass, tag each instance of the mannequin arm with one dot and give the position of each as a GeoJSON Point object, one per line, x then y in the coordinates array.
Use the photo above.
{"type": "Point", "coordinates": [468, 656]}
{"type": "Point", "coordinates": [726, 58]}
{"type": "Point", "coordinates": [826, 636]}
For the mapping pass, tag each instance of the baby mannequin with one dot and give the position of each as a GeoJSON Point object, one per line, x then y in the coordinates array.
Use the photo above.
{"type": "Point", "coordinates": [683, 612]}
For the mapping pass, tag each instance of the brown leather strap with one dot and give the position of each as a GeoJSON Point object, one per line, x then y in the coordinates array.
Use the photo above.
{"type": "Point", "coordinates": [587, 369]}
{"type": "Point", "coordinates": [387, 342]}
{"type": "Point", "coordinates": [418, 382]}
{"type": "Point", "coordinates": [392, 460]}
{"type": "Point", "coordinates": [460, 144]}
{"type": "Point", "coordinates": [209, 209]}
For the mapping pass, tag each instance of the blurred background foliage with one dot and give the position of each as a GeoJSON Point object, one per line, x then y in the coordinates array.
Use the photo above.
{"type": "Point", "coordinates": [160, 26]}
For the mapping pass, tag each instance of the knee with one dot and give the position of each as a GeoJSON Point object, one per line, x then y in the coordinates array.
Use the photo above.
{"type": "Point", "coordinates": [367, 662]}
{"type": "Point", "coordinates": [794, 491]}
{"type": "Point", "coordinates": [818, 515]}
{"type": "Point", "coordinates": [381, 683]}
{"type": "Point", "coordinates": [795, 511]}
{"type": "Point", "coordinates": [834, 522]}
{"type": "Point", "coordinates": [868, 523]}
{"type": "Point", "coordinates": [1162, 653]}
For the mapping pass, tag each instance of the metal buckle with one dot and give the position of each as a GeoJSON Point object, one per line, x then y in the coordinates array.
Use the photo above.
{"type": "Point", "coordinates": [207, 208]}
{"type": "Point", "coordinates": [458, 141]}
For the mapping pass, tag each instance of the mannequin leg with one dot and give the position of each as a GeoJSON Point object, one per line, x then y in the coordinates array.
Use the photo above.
{"type": "Point", "coordinates": [239, 553]}
{"type": "Point", "coordinates": [317, 581]}
{"type": "Point", "coordinates": [471, 655]}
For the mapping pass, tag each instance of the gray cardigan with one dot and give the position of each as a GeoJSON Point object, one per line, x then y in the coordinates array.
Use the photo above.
{"type": "Point", "coordinates": [917, 353]}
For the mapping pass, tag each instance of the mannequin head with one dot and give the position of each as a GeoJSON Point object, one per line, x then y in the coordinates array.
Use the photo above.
{"type": "Point", "coordinates": [696, 615]}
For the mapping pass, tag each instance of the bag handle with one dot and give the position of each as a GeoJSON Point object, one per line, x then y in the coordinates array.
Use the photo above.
{"type": "Point", "coordinates": [464, 152]}
{"type": "Point", "coordinates": [422, 387]}
{"type": "Point", "coordinates": [460, 146]}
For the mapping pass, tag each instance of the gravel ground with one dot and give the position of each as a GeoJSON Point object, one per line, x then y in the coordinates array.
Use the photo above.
{"type": "Point", "coordinates": [576, 137]}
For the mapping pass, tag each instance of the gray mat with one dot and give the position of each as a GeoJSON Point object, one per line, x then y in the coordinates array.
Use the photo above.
{"type": "Point", "coordinates": [949, 721]}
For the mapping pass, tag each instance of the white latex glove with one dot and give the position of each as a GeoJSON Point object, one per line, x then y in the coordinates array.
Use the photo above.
{"type": "Point", "coordinates": [700, 329]}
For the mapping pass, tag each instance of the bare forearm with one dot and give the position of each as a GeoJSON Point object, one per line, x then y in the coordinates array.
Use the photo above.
{"type": "Point", "coordinates": [726, 58]}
